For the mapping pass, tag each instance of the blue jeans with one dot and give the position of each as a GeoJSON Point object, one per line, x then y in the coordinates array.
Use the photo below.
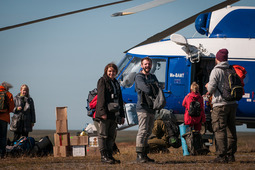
{"type": "Point", "coordinates": [3, 136]}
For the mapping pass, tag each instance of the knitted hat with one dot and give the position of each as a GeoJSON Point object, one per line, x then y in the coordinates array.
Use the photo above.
{"type": "Point", "coordinates": [222, 55]}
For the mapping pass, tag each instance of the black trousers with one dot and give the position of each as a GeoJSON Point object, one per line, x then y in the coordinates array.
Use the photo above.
{"type": "Point", "coordinates": [106, 134]}
{"type": "Point", "coordinates": [3, 136]}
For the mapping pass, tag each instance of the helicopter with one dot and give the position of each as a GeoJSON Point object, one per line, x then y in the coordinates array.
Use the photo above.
{"type": "Point", "coordinates": [178, 61]}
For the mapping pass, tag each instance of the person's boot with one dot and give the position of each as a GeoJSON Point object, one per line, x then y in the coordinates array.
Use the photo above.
{"type": "Point", "coordinates": [115, 149]}
{"type": "Point", "coordinates": [105, 158]}
{"type": "Point", "coordinates": [231, 158]}
{"type": "Point", "coordinates": [147, 149]}
{"type": "Point", "coordinates": [140, 155]}
{"type": "Point", "coordinates": [220, 159]}
{"type": "Point", "coordinates": [109, 153]}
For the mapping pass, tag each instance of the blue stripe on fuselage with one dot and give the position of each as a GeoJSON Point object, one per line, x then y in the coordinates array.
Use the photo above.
{"type": "Point", "coordinates": [239, 23]}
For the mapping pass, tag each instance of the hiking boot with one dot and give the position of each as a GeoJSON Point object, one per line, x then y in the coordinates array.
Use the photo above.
{"type": "Point", "coordinates": [148, 159]}
{"type": "Point", "coordinates": [140, 158]}
{"type": "Point", "coordinates": [115, 160]}
{"type": "Point", "coordinates": [105, 158]}
{"type": "Point", "coordinates": [146, 151]}
{"type": "Point", "coordinates": [231, 158]}
{"type": "Point", "coordinates": [220, 159]}
{"type": "Point", "coordinates": [109, 154]}
{"type": "Point", "coordinates": [115, 149]}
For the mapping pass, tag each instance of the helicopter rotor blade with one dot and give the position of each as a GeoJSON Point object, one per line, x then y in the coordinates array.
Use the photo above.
{"type": "Point", "coordinates": [142, 7]}
{"type": "Point", "coordinates": [161, 35]}
{"type": "Point", "coordinates": [60, 15]}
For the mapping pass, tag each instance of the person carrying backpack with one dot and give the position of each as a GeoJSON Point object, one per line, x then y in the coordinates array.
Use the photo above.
{"type": "Point", "coordinates": [224, 111]}
{"type": "Point", "coordinates": [6, 106]}
{"type": "Point", "coordinates": [194, 114]}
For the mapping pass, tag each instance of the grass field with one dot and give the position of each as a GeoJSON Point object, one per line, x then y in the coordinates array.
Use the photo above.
{"type": "Point", "coordinates": [245, 157]}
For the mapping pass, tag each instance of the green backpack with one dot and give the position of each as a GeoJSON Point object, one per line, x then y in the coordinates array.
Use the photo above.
{"type": "Point", "coordinates": [3, 102]}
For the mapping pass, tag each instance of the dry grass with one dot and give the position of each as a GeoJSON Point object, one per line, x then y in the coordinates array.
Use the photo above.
{"type": "Point", "coordinates": [245, 157]}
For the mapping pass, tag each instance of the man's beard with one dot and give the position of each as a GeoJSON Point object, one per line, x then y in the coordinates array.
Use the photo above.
{"type": "Point", "coordinates": [147, 70]}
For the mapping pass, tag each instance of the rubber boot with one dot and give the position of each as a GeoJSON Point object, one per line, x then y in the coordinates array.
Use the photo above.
{"type": "Point", "coordinates": [105, 158]}
{"type": "Point", "coordinates": [147, 149]}
{"type": "Point", "coordinates": [109, 153]}
{"type": "Point", "coordinates": [140, 155]}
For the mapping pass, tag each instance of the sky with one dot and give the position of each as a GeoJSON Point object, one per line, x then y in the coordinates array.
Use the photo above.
{"type": "Point", "coordinates": [62, 59]}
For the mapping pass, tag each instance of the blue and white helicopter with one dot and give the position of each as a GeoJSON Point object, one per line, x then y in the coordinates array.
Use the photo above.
{"type": "Point", "coordinates": [179, 61]}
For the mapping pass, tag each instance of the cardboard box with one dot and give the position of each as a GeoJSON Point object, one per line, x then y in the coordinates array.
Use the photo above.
{"type": "Point", "coordinates": [92, 151]}
{"type": "Point", "coordinates": [62, 139]}
{"type": "Point", "coordinates": [93, 141]}
{"type": "Point", "coordinates": [62, 151]}
{"type": "Point", "coordinates": [61, 126]}
{"type": "Point", "coordinates": [79, 140]}
{"type": "Point", "coordinates": [79, 150]}
{"type": "Point", "coordinates": [61, 113]}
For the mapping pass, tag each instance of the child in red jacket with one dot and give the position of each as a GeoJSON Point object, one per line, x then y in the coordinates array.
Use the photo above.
{"type": "Point", "coordinates": [195, 122]}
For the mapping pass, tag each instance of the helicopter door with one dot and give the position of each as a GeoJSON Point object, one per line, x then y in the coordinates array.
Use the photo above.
{"type": "Point", "coordinates": [178, 84]}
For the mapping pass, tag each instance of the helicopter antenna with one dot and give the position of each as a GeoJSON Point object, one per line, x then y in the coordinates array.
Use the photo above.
{"type": "Point", "coordinates": [194, 34]}
{"type": "Point", "coordinates": [60, 15]}
{"type": "Point", "coordinates": [161, 35]}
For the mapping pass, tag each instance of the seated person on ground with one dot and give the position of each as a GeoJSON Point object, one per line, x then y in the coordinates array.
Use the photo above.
{"type": "Point", "coordinates": [165, 132]}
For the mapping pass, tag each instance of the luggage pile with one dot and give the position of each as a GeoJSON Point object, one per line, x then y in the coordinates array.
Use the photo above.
{"type": "Point", "coordinates": [27, 146]}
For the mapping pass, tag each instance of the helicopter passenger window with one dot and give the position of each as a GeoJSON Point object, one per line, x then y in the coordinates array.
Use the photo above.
{"type": "Point", "coordinates": [128, 76]}
{"type": "Point", "coordinates": [159, 69]}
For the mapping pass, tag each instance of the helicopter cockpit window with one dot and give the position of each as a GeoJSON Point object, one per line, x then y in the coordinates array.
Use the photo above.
{"type": "Point", "coordinates": [123, 63]}
{"type": "Point", "coordinates": [158, 68]}
{"type": "Point", "coordinates": [128, 76]}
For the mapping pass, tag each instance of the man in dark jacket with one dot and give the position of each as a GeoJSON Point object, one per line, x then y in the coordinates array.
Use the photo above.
{"type": "Point", "coordinates": [5, 117]}
{"type": "Point", "coordinates": [143, 85]}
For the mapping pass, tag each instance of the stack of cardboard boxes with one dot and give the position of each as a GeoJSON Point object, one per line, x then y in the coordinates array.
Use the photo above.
{"type": "Point", "coordinates": [79, 144]}
{"type": "Point", "coordinates": [66, 145]}
{"type": "Point", "coordinates": [61, 137]}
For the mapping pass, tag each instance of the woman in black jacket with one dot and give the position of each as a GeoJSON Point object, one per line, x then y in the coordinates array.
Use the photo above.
{"type": "Point", "coordinates": [109, 112]}
{"type": "Point", "coordinates": [24, 105]}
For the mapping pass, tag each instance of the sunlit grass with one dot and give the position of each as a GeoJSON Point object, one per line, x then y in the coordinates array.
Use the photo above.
{"type": "Point", "coordinates": [245, 157]}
